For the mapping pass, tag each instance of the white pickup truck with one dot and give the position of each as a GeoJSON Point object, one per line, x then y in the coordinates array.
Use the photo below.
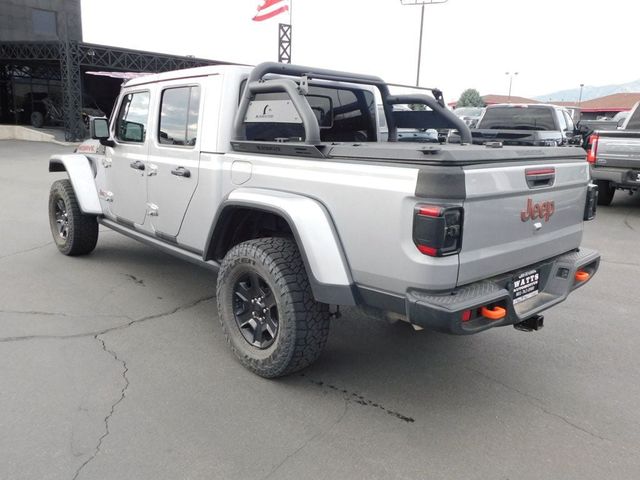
{"type": "Point", "coordinates": [275, 177]}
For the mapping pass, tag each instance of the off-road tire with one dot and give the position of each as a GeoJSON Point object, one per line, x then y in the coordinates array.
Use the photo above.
{"type": "Point", "coordinates": [81, 229]}
{"type": "Point", "coordinates": [303, 323]}
{"type": "Point", "coordinates": [605, 192]}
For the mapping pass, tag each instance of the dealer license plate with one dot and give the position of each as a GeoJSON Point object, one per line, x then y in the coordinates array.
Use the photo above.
{"type": "Point", "coordinates": [525, 285]}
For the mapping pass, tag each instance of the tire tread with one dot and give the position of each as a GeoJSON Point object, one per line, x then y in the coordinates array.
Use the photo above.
{"type": "Point", "coordinates": [83, 231]}
{"type": "Point", "coordinates": [281, 257]}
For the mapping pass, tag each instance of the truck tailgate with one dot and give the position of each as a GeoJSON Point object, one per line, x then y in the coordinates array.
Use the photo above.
{"type": "Point", "coordinates": [514, 217]}
{"type": "Point", "coordinates": [619, 149]}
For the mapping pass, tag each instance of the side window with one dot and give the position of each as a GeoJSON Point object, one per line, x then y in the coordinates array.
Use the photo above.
{"type": "Point", "coordinates": [570, 126]}
{"type": "Point", "coordinates": [179, 116]}
{"type": "Point", "coordinates": [131, 123]}
{"type": "Point", "coordinates": [561, 120]}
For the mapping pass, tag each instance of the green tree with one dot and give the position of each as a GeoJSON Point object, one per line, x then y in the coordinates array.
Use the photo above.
{"type": "Point", "coordinates": [470, 98]}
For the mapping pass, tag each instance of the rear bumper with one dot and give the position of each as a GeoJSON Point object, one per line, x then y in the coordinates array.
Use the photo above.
{"type": "Point", "coordinates": [621, 177]}
{"type": "Point", "coordinates": [444, 311]}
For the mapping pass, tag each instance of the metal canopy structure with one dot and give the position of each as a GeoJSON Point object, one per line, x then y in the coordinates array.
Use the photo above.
{"type": "Point", "coordinates": [64, 61]}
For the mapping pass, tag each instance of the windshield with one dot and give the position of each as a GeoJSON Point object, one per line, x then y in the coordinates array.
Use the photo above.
{"type": "Point", "coordinates": [518, 118]}
{"type": "Point", "coordinates": [468, 111]}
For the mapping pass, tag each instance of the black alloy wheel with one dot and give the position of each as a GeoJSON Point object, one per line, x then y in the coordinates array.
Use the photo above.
{"type": "Point", "coordinates": [61, 218]}
{"type": "Point", "coordinates": [255, 310]}
{"type": "Point", "coordinates": [266, 307]}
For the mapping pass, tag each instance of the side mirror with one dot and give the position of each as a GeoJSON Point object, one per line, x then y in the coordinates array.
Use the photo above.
{"type": "Point", "coordinates": [620, 122]}
{"type": "Point", "coordinates": [99, 130]}
{"type": "Point", "coordinates": [576, 138]}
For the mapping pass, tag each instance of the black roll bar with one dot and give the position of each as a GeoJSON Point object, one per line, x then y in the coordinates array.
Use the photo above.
{"type": "Point", "coordinates": [309, 120]}
{"type": "Point", "coordinates": [257, 84]}
{"type": "Point", "coordinates": [256, 77]}
{"type": "Point", "coordinates": [433, 104]}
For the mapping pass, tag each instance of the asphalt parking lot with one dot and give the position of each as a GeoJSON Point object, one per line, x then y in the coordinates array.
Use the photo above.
{"type": "Point", "coordinates": [114, 367]}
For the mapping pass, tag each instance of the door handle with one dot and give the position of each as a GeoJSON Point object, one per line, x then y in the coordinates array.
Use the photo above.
{"type": "Point", "coordinates": [181, 172]}
{"type": "Point", "coordinates": [138, 165]}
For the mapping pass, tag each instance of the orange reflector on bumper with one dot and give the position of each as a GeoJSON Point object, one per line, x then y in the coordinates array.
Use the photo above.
{"type": "Point", "coordinates": [495, 313]}
{"type": "Point", "coordinates": [582, 276]}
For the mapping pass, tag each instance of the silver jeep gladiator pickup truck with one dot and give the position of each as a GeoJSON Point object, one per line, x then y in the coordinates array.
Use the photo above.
{"type": "Point", "coordinates": [275, 177]}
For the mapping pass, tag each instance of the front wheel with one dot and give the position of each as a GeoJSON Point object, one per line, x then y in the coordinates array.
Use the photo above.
{"type": "Point", "coordinates": [74, 232]}
{"type": "Point", "coordinates": [605, 192]}
{"type": "Point", "coordinates": [268, 314]}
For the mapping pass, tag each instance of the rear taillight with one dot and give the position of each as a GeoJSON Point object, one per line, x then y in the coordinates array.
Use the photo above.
{"type": "Point", "coordinates": [437, 229]}
{"type": "Point", "coordinates": [592, 148]}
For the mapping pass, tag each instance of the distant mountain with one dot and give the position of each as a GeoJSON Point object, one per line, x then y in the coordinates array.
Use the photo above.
{"type": "Point", "coordinates": [589, 92]}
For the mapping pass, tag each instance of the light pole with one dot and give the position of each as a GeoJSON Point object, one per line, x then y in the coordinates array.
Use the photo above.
{"type": "Point", "coordinates": [511, 75]}
{"type": "Point", "coordinates": [422, 3]}
{"type": "Point", "coordinates": [580, 98]}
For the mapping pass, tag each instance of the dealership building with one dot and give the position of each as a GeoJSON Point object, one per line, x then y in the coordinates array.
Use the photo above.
{"type": "Point", "coordinates": [49, 76]}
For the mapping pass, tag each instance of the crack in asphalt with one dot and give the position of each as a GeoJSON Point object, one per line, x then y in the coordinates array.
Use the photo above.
{"type": "Point", "coordinates": [135, 279]}
{"type": "Point", "coordinates": [20, 252]}
{"type": "Point", "coordinates": [112, 353]}
{"type": "Point", "coordinates": [536, 402]}
{"type": "Point", "coordinates": [359, 399]}
{"type": "Point", "coordinates": [110, 329]}
{"type": "Point", "coordinates": [61, 314]}
{"type": "Point", "coordinates": [123, 391]}
{"type": "Point", "coordinates": [626, 222]}
{"type": "Point", "coordinates": [308, 441]}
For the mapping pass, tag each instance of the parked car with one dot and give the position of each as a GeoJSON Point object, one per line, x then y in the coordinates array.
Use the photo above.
{"type": "Point", "coordinates": [522, 124]}
{"type": "Point", "coordinates": [43, 109]}
{"type": "Point", "coordinates": [614, 156]}
{"type": "Point", "coordinates": [424, 135]}
{"type": "Point", "coordinates": [470, 115]}
{"type": "Point", "coordinates": [290, 196]}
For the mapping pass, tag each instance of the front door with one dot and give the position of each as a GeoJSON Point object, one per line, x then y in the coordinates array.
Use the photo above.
{"type": "Point", "coordinates": [173, 157]}
{"type": "Point", "coordinates": [126, 161]}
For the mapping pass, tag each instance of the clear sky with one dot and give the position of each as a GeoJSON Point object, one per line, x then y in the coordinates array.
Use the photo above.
{"type": "Point", "coordinates": [553, 44]}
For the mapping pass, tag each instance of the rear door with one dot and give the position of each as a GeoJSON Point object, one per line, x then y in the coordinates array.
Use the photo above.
{"type": "Point", "coordinates": [521, 213]}
{"type": "Point", "coordinates": [174, 156]}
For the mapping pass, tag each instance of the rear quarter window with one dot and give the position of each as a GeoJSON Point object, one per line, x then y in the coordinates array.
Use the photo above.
{"type": "Point", "coordinates": [343, 115]}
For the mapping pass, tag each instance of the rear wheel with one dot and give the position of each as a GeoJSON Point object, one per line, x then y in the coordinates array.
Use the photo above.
{"type": "Point", "coordinates": [268, 314]}
{"type": "Point", "coordinates": [605, 192]}
{"type": "Point", "coordinates": [74, 232]}
{"type": "Point", "coordinates": [37, 119]}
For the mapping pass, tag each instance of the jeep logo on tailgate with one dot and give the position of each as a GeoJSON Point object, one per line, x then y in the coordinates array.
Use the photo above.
{"type": "Point", "coordinates": [537, 210]}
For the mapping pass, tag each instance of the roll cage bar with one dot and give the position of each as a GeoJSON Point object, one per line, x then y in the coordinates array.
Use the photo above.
{"type": "Point", "coordinates": [256, 83]}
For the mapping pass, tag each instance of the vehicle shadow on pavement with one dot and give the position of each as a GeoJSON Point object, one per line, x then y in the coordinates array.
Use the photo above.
{"type": "Point", "coordinates": [388, 370]}
{"type": "Point", "coordinates": [362, 354]}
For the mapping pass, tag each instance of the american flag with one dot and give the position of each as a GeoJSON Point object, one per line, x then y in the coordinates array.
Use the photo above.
{"type": "Point", "coordinates": [271, 8]}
